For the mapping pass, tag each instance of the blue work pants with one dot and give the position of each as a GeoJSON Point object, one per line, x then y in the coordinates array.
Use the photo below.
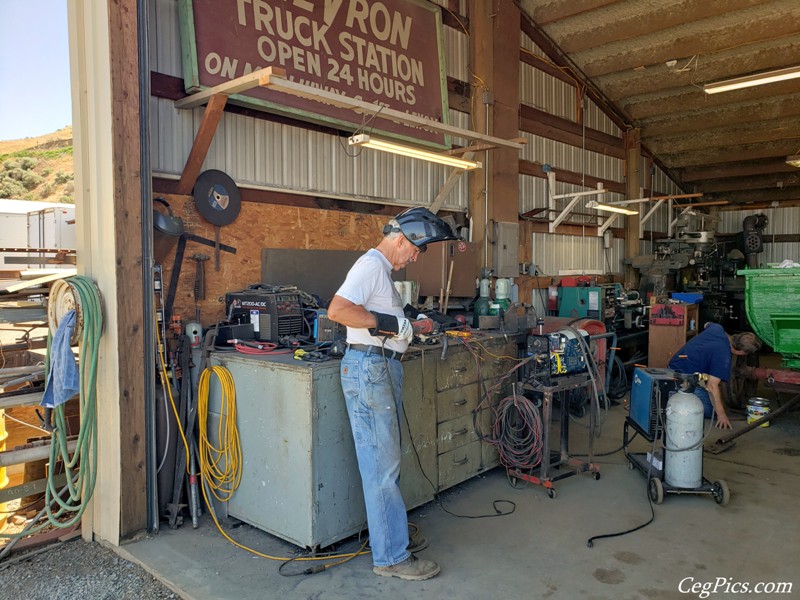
{"type": "Point", "coordinates": [375, 413]}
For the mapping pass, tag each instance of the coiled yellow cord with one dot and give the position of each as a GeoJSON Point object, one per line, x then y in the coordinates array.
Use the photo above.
{"type": "Point", "coordinates": [221, 467]}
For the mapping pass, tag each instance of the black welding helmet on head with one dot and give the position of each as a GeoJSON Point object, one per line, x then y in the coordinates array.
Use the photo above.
{"type": "Point", "coordinates": [421, 227]}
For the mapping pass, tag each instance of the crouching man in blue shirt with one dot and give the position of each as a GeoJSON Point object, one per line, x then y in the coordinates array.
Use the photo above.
{"type": "Point", "coordinates": [710, 353]}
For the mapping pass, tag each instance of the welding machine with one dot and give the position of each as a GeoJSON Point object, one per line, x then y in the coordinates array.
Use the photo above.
{"type": "Point", "coordinates": [273, 314]}
{"type": "Point", "coordinates": [650, 390]}
{"type": "Point", "coordinates": [555, 354]}
{"type": "Point", "coordinates": [326, 330]}
{"type": "Point", "coordinates": [664, 408]}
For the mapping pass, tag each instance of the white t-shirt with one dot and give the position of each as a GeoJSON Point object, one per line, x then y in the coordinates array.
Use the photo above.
{"type": "Point", "coordinates": [369, 284]}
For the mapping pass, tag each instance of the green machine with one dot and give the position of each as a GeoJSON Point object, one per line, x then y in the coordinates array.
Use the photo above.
{"type": "Point", "coordinates": [592, 302]}
{"type": "Point", "coordinates": [771, 302]}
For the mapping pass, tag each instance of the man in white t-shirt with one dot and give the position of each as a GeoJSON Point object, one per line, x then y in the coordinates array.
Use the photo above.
{"type": "Point", "coordinates": [378, 333]}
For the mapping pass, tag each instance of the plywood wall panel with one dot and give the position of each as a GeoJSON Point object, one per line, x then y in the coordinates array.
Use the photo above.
{"type": "Point", "coordinates": [259, 226]}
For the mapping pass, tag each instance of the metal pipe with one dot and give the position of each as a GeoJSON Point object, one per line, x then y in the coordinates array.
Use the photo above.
{"type": "Point", "coordinates": [32, 399]}
{"type": "Point", "coordinates": [772, 375]}
{"type": "Point", "coordinates": [148, 329]}
{"type": "Point", "coordinates": [486, 187]}
{"type": "Point", "coordinates": [18, 457]}
{"type": "Point", "coordinates": [613, 347]}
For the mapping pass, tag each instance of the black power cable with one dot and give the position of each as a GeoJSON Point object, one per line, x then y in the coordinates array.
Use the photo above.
{"type": "Point", "coordinates": [436, 495]}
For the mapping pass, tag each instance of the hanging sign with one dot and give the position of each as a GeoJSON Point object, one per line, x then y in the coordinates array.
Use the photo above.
{"type": "Point", "coordinates": [387, 52]}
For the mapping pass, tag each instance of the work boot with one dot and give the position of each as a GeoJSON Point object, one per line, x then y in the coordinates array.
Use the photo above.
{"type": "Point", "coordinates": [412, 568]}
{"type": "Point", "coordinates": [417, 543]}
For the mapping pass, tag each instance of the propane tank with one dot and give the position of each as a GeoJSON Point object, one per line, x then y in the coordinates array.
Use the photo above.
{"type": "Point", "coordinates": [684, 429]}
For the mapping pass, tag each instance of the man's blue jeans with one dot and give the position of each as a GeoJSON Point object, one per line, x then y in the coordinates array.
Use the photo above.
{"type": "Point", "coordinates": [375, 413]}
{"type": "Point", "coordinates": [705, 398]}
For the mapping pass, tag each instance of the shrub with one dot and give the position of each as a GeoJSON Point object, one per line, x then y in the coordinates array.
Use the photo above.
{"type": "Point", "coordinates": [31, 180]}
{"type": "Point", "coordinates": [10, 188]}
{"type": "Point", "coordinates": [27, 163]}
{"type": "Point", "coordinates": [10, 165]}
{"type": "Point", "coordinates": [17, 174]}
{"type": "Point", "coordinates": [62, 177]}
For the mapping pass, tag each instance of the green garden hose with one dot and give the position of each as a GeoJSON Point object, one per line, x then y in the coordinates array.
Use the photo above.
{"type": "Point", "coordinates": [81, 467]}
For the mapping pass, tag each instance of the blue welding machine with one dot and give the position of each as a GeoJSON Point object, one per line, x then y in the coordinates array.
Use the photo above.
{"type": "Point", "coordinates": [650, 390]}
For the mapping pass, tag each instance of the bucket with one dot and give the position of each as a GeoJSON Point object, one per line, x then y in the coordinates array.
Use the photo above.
{"type": "Point", "coordinates": [757, 408]}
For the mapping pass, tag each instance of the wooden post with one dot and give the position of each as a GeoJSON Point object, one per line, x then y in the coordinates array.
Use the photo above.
{"type": "Point", "coordinates": [633, 183]}
{"type": "Point", "coordinates": [494, 58]}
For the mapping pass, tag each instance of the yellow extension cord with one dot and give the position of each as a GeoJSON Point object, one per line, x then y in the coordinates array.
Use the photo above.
{"type": "Point", "coordinates": [223, 480]}
{"type": "Point", "coordinates": [221, 468]}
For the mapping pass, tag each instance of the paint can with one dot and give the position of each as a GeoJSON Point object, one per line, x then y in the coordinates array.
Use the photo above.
{"type": "Point", "coordinates": [757, 408]}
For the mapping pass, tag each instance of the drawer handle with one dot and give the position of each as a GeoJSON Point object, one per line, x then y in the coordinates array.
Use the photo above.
{"type": "Point", "coordinates": [461, 402]}
{"type": "Point", "coordinates": [459, 369]}
{"type": "Point", "coordinates": [463, 461]}
{"type": "Point", "coordinates": [464, 431]}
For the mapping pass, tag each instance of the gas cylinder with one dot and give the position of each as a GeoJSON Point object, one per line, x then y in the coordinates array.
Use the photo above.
{"type": "Point", "coordinates": [481, 307]}
{"type": "Point", "coordinates": [501, 301]}
{"type": "Point", "coordinates": [683, 441]}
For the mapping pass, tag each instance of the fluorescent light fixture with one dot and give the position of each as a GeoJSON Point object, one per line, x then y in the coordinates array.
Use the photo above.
{"type": "Point", "coordinates": [443, 159]}
{"type": "Point", "coordinates": [611, 208]}
{"type": "Point", "coordinates": [751, 80]}
{"type": "Point", "coordinates": [793, 160]}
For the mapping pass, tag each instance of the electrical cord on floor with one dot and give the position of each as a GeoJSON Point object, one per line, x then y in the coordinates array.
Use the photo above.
{"type": "Point", "coordinates": [436, 495]}
{"type": "Point", "coordinates": [610, 452]}
{"type": "Point", "coordinates": [591, 540]}
{"type": "Point", "coordinates": [618, 386]}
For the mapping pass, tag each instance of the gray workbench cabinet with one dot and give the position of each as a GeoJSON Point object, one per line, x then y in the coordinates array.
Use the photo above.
{"type": "Point", "coordinates": [300, 478]}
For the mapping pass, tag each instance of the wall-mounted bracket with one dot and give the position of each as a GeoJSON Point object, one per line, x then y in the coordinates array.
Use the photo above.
{"type": "Point", "coordinates": [576, 197]}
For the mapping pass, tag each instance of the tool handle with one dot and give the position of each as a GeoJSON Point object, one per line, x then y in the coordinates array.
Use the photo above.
{"type": "Point", "coordinates": [423, 326]}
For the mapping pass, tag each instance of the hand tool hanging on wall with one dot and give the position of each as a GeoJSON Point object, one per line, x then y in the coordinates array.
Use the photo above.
{"type": "Point", "coordinates": [217, 199]}
{"type": "Point", "coordinates": [176, 266]}
{"type": "Point", "coordinates": [199, 282]}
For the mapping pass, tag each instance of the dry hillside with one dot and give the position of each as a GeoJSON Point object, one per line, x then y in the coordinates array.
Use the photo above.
{"type": "Point", "coordinates": [38, 168]}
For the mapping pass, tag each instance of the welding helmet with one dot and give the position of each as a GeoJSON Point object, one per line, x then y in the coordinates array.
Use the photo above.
{"type": "Point", "coordinates": [421, 227]}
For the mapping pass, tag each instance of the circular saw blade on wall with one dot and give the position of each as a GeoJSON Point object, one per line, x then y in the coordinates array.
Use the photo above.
{"type": "Point", "coordinates": [217, 197]}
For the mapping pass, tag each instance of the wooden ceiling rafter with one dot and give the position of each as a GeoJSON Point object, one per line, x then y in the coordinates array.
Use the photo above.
{"type": "Point", "coordinates": [728, 145]}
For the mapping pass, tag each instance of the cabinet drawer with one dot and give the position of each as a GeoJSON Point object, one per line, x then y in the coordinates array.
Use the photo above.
{"type": "Point", "coordinates": [457, 402]}
{"type": "Point", "coordinates": [459, 464]}
{"type": "Point", "coordinates": [456, 370]}
{"type": "Point", "coordinates": [456, 432]}
{"type": "Point", "coordinates": [496, 364]}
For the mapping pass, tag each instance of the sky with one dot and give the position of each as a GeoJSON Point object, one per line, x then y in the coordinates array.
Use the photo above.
{"type": "Point", "coordinates": [34, 68]}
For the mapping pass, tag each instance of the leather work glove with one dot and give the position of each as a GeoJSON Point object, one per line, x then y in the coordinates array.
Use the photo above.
{"type": "Point", "coordinates": [398, 328]}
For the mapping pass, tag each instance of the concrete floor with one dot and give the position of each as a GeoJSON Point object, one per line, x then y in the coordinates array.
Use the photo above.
{"type": "Point", "coordinates": [540, 550]}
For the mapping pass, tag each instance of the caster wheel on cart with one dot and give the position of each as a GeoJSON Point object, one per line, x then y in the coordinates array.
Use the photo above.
{"type": "Point", "coordinates": [552, 492]}
{"type": "Point", "coordinates": [596, 476]}
{"type": "Point", "coordinates": [656, 490]}
{"type": "Point", "coordinates": [721, 493]}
